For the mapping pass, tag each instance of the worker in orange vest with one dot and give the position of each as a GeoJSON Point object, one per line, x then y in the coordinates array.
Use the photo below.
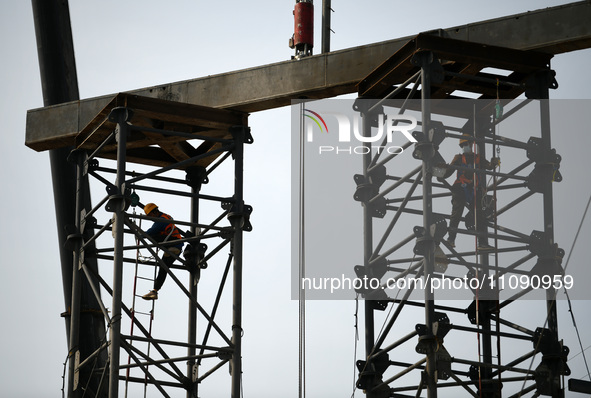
{"type": "Point", "coordinates": [162, 231]}
{"type": "Point", "coordinates": [469, 185]}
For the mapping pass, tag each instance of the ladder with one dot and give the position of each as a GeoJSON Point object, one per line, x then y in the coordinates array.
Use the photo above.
{"type": "Point", "coordinates": [141, 308]}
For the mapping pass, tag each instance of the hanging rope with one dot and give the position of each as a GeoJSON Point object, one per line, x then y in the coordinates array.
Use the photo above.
{"type": "Point", "coordinates": [497, 151]}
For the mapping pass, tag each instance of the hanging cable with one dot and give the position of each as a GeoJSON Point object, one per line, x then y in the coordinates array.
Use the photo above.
{"type": "Point", "coordinates": [64, 376]}
{"type": "Point", "coordinates": [570, 308]}
{"type": "Point", "coordinates": [356, 340]}
{"type": "Point", "coordinates": [579, 353]}
{"type": "Point", "coordinates": [578, 231]}
{"type": "Point", "coordinates": [475, 204]}
{"type": "Point", "coordinates": [572, 315]}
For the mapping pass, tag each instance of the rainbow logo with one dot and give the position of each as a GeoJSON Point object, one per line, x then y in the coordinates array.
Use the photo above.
{"type": "Point", "coordinates": [317, 119]}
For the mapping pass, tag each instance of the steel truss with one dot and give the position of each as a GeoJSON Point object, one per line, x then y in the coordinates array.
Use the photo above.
{"type": "Point", "coordinates": [439, 67]}
{"type": "Point", "coordinates": [159, 135]}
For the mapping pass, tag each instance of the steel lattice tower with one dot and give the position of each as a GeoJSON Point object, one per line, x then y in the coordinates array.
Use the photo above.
{"type": "Point", "coordinates": [163, 137]}
{"type": "Point", "coordinates": [444, 70]}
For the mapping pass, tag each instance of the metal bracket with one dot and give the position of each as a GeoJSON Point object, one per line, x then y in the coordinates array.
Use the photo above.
{"type": "Point", "coordinates": [487, 211]}
{"type": "Point", "coordinates": [433, 342]}
{"type": "Point", "coordinates": [428, 60]}
{"type": "Point", "coordinates": [247, 137]}
{"type": "Point", "coordinates": [238, 220]}
{"type": "Point", "coordinates": [427, 146]}
{"type": "Point", "coordinates": [438, 229]}
{"type": "Point", "coordinates": [363, 105]}
{"type": "Point", "coordinates": [541, 245]}
{"type": "Point", "coordinates": [554, 361]}
{"type": "Point", "coordinates": [547, 165]}
{"type": "Point", "coordinates": [117, 200]}
{"type": "Point", "coordinates": [370, 374]}
{"type": "Point", "coordinates": [377, 298]}
{"type": "Point", "coordinates": [194, 254]}
{"type": "Point", "coordinates": [72, 240]}
{"type": "Point", "coordinates": [196, 176]}
{"type": "Point", "coordinates": [120, 114]}
{"type": "Point", "coordinates": [367, 189]}
{"type": "Point", "coordinates": [92, 164]}
{"type": "Point", "coordinates": [537, 85]}
{"type": "Point", "coordinates": [373, 272]}
{"type": "Point", "coordinates": [78, 156]}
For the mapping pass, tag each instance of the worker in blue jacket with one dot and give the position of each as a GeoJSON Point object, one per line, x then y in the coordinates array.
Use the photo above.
{"type": "Point", "coordinates": [162, 231]}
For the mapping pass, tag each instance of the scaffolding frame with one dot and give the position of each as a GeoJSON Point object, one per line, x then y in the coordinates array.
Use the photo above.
{"type": "Point", "coordinates": [443, 68]}
{"type": "Point", "coordinates": [158, 134]}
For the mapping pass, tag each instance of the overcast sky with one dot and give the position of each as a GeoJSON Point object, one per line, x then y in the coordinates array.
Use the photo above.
{"type": "Point", "coordinates": [124, 45]}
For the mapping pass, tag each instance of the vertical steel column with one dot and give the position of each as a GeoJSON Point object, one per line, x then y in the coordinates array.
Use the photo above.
{"type": "Point", "coordinates": [116, 204]}
{"type": "Point", "coordinates": [544, 79]}
{"type": "Point", "coordinates": [57, 67]}
{"type": "Point", "coordinates": [485, 306]}
{"type": "Point", "coordinates": [195, 180]}
{"type": "Point", "coordinates": [237, 220]}
{"type": "Point", "coordinates": [548, 207]}
{"type": "Point", "coordinates": [425, 59]}
{"type": "Point", "coordinates": [73, 347]}
{"type": "Point", "coordinates": [326, 10]}
{"type": "Point", "coordinates": [367, 237]}
{"type": "Point", "coordinates": [192, 324]}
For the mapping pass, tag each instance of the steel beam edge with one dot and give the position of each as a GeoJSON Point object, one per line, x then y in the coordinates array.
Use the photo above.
{"type": "Point", "coordinates": [320, 76]}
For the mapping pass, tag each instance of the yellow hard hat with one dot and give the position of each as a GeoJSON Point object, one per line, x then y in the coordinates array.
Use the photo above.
{"type": "Point", "coordinates": [464, 140]}
{"type": "Point", "coordinates": [149, 207]}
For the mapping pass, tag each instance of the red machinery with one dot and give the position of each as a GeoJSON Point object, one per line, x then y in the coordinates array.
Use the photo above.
{"type": "Point", "coordinates": [303, 37]}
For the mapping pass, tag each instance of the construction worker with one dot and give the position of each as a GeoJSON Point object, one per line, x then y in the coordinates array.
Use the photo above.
{"type": "Point", "coordinates": [162, 231]}
{"type": "Point", "coordinates": [469, 185]}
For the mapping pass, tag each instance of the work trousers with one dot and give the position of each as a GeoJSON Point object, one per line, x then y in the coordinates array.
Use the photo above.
{"type": "Point", "coordinates": [459, 199]}
{"type": "Point", "coordinates": [168, 260]}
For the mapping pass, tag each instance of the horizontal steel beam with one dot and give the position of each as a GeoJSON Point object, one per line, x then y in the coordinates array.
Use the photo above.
{"type": "Point", "coordinates": [554, 30]}
{"type": "Point", "coordinates": [583, 386]}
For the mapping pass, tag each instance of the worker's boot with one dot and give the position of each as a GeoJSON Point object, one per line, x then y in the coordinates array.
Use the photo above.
{"type": "Point", "coordinates": [151, 295]}
{"type": "Point", "coordinates": [451, 240]}
{"type": "Point", "coordinates": [484, 247]}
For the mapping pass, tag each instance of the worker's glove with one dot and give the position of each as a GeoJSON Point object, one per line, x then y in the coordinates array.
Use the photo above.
{"type": "Point", "coordinates": [496, 162]}
{"type": "Point", "coordinates": [439, 171]}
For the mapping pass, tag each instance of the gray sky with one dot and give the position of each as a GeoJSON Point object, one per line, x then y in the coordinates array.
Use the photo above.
{"type": "Point", "coordinates": [127, 45]}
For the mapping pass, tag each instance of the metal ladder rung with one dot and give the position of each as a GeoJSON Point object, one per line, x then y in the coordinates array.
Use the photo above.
{"type": "Point", "coordinates": [142, 313]}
